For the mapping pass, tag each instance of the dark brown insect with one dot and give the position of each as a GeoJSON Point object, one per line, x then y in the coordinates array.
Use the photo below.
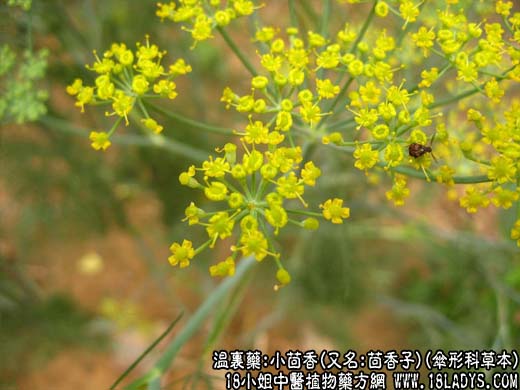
{"type": "Point", "coordinates": [417, 150]}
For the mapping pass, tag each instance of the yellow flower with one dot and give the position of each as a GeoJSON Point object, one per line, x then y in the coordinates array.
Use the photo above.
{"type": "Point", "coordinates": [284, 121]}
{"type": "Point", "coordinates": [220, 226]}
{"type": "Point", "coordinates": [215, 168]}
{"type": "Point", "coordinates": [366, 117]}
{"type": "Point", "coordinates": [329, 58]}
{"type": "Point", "coordinates": [256, 133]}
{"type": "Point", "coordinates": [424, 39]}
{"type": "Point", "coordinates": [370, 93]}
{"type": "Point", "coordinates": [224, 268]}
{"type": "Point", "coordinates": [335, 138]}
{"type": "Point", "coordinates": [310, 173]}
{"type": "Point", "coordinates": [445, 175]}
{"type": "Point", "coordinates": [123, 104]}
{"type": "Point", "coordinates": [467, 71]}
{"type": "Point", "coordinates": [493, 91]}
{"type": "Point", "coordinates": [75, 87]}
{"type": "Point", "coordinates": [365, 157]}
{"type": "Point", "coordinates": [84, 96]}
{"type": "Point", "coordinates": [100, 140]}
{"type": "Point", "coordinates": [504, 198]}
{"type": "Point", "coordinates": [310, 224]}
{"type": "Point", "coordinates": [394, 154]}
{"type": "Point", "coordinates": [187, 178]}
{"type": "Point", "coordinates": [180, 67]}
{"type": "Point", "coordinates": [473, 199]}
{"type": "Point", "coordinates": [502, 170]}
{"type": "Point", "coordinates": [276, 216]}
{"type": "Point", "coordinates": [381, 9]}
{"type": "Point", "coordinates": [140, 84]}
{"type": "Point", "coordinates": [289, 186]}
{"type": "Point", "coordinates": [181, 254]}
{"type": "Point", "coordinates": [515, 232]}
{"type": "Point", "coordinates": [254, 243]}
{"type": "Point", "coordinates": [429, 77]}
{"type": "Point", "coordinates": [265, 34]}
{"type": "Point", "coordinates": [283, 276]}
{"type": "Point", "coordinates": [409, 11]}
{"type": "Point", "coordinates": [165, 88]}
{"type": "Point", "coordinates": [193, 214]}
{"type": "Point", "coordinates": [152, 125]}
{"type": "Point", "coordinates": [399, 192]}
{"type": "Point", "coordinates": [334, 211]}
{"type": "Point", "coordinates": [216, 191]}
{"type": "Point", "coordinates": [326, 89]}
{"type": "Point", "coordinates": [380, 132]}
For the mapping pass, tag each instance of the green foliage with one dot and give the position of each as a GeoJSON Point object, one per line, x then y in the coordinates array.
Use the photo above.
{"type": "Point", "coordinates": [24, 4]}
{"type": "Point", "coordinates": [21, 100]}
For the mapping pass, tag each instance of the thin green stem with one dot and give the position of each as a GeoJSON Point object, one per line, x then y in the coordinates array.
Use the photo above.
{"type": "Point", "coordinates": [344, 122]}
{"type": "Point", "coordinates": [143, 108]}
{"type": "Point", "coordinates": [232, 45]}
{"type": "Point", "coordinates": [502, 319]}
{"type": "Point", "coordinates": [364, 28]}
{"type": "Point", "coordinates": [303, 212]}
{"type": "Point", "coordinates": [153, 377]}
{"type": "Point", "coordinates": [157, 141]}
{"type": "Point", "coordinates": [292, 14]}
{"type": "Point", "coordinates": [188, 121]}
{"type": "Point", "coordinates": [408, 171]}
{"type": "Point", "coordinates": [467, 93]}
{"type": "Point", "coordinates": [360, 36]}
{"type": "Point", "coordinates": [336, 101]}
{"type": "Point", "coordinates": [115, 125]}
{"type": "Point", "coordinates": [146, 352]}
{"type": "Point", "coordinates": [325, 17]}
{"type": "Point", "coordinates": [307, 8]}
{"type": "Point", "coordinates": [456, 179]}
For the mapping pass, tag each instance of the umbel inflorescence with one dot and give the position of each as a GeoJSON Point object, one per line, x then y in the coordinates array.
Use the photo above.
{"type": "Point", "coordinates": [126, 78]}
{"type": "Point", "coordinates": [437, 77]}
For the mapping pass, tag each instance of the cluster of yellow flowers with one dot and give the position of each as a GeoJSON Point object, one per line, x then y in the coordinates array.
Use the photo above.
{"type": "Point", "coordinates": [200, 17]}
{"type": "Point", "coordinates": [431, 101]}
{"type": "Point", "coordinates": [126, 78]}
{"type": "Point", "coordinates": [479, 62]}
{"type": "Point", "coordinates": [255, 188]}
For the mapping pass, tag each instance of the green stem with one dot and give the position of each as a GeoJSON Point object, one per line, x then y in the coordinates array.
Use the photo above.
{"type": "Point", "coordinates": [344, 122]}
{"type": "Point", "coordinates": [227, 310]}
{"type": "Point", "coordinates": [307, 8]}
{"type": "Point", "coordinates": [292, 13]}
{"type": "Point", "coordinates": [303, 212]}
{"type": "Point", "coordinates": [114, 126]}
{"type": "Point", "coordinates": [188, 121]}
{"type": "Point", "coordinates": [408, 171]}
{"type": "Point", "coordinates": [502, 319]}
{"type": "Point", "coordinates": [157, 141]}
{"type": "Point", "coordinates": [143, 108]}
{"type": "Point", "coordinates": [336, 101]}
{"type": "Point", "coordinates": [456, 179]}
{"type": "Point", "coordinates": [364, 28]}
{"type": "Point", "coordinates": [325, 17]}
{"type": "Point", "coordinates": [467, 93]}
{"type": "Point", "coordinates": [232, 45]}
{"type": "Point", "coordinates": [360, 36]}
{"type": "Point", "coordinates": [146, 352]}
{"type": "Point", "coordinates": [455, 98]}
{"type": "Point", "coordinates": [153, 377]}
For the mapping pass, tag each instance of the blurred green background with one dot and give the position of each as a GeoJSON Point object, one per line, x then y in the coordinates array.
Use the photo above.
{"type": "Point", "coordinates": [85, 285]}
